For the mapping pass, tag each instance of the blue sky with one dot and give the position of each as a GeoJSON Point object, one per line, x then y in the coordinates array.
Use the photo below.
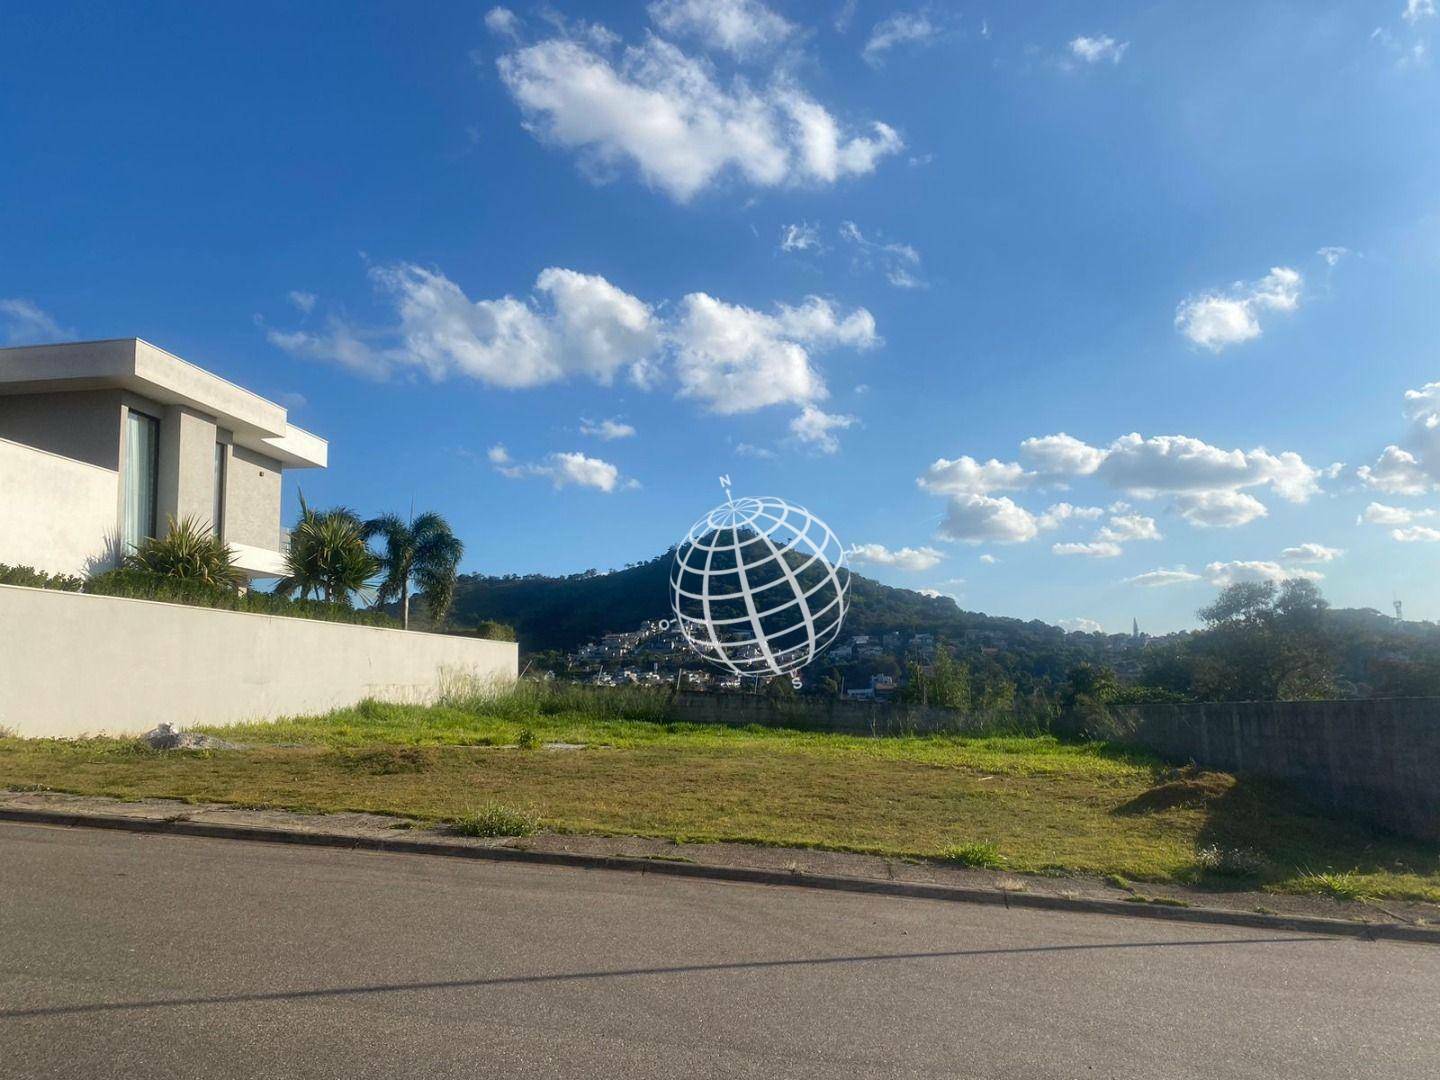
{"type": "Point", "coordinates": [871, 258]}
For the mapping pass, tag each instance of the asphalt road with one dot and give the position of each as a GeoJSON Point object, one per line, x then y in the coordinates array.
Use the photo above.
{"type": "Point", "coordinates": [136, 956]}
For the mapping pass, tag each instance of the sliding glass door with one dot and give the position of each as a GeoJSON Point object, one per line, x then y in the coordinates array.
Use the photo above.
{"type": "Point", "coordinates": [142, 474]}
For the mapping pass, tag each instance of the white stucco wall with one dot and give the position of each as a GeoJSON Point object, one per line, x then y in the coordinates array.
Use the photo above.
{"type": "Point", "coordinates": [73, 664]}
{"type": "Point", "coordinates": [56, 514]}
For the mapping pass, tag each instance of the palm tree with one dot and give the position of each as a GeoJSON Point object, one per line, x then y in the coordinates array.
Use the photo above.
{"type": "Point", "coordinates": [327, 557]}
{"type": "Point", "coordinates": [423, 550]}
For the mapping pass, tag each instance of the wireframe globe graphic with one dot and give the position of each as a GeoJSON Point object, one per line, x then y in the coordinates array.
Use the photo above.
{"type": "Point", "coordinates": [759, 586]}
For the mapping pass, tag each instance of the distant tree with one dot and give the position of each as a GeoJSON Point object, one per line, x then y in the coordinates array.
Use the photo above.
{"type": "Point", "coordinates": [327, 557]}
{"type": "Point", "coordinates": [189, 550]}
{"type": "Point", "coordinates": [1264, 642]}
{"type": "Point", "coordinates": [423, 551]}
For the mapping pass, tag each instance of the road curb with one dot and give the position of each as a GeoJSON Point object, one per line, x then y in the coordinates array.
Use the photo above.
{"type": "Point", "coordinates": [1311, 924]}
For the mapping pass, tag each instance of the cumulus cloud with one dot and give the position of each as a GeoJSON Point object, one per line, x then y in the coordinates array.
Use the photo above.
{"type": "Point", "coordinates": [901, 28]}
{"type": "Point", "coordinates": [1098, 49]}
{"type": "Point", "coordinates": [1081, 626]}
{"type": "Point", "coordinates": [739, 27]}
{"type": "Point", "coordinates": [1396, 472]}
{"type": "Point", "coordinates": [729, 358]}
{"type": "Point", "coordinates": [1125, 527]}
{"type": "Point", "coordinates": [1415, 10]}
{"type": "Point", "coordinates": [667, 115]}
{"type": "Point", "coordinates": [1217, 320]}
{"type": "Point", "coordinates": [304, 301]}
{"type": "Point", "coordinates": [905, 558]}
{"type": "Point", "coordinates": [1220, 509]}
{"type": "Point", "coordinates": [900, 263]}
{"type": "Point", "coordinates": [735, 359]}
{"type": "Point", "coordinates": [1095, 549]}
{"type": "Point", "coordinates": [25, 323]}
{"type": "Point", "coordinates": [1413, 466]}
{"type": "Point", "coordinates": [1153, 579]}
{"type": "Point", "coordinates": [1231, 573]}
{"type": "Point", "coordinates": [966, 476]}
{"type": "Point", "coordinates": [1165, 464]}
{"type": "Point", "coordinates": [1311, 553]}
{"type": "Point", "coordinates": [1060, 513]}
{"type": "Point", "coordinates": [606, 430]}
{"type": "Point", "coordinates": [988, 559]}
{"type": "Point", "coordinates": [816, 428]}
{"type": "Point", "coordinates": [975, 519]}
{"type": "Point", "coordinates": [1414, 533]}
{"type": "Point", "coordinates": [1061, 455]}
{"type": "Point", "coordinates": [1381, 514]}
{"type": "Point", "coordinates": [567, 469]}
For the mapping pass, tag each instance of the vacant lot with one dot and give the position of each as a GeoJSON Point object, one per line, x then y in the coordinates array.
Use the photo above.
{"type": "Point", "coordinates": [1036, 803]}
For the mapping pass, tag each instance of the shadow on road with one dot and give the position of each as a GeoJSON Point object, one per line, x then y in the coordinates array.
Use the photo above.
{"type": "Point", "coordinates": [576, 976]}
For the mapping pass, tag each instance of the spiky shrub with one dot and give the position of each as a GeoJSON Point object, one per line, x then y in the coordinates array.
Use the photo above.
{"type": "Point", "coordinates": [327, 557]}
{"type": "Point", "coordinates": [190, 551]}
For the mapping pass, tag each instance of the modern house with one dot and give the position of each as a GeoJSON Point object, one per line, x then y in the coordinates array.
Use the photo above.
{"type": "Point", "coordinates": [102, 441]}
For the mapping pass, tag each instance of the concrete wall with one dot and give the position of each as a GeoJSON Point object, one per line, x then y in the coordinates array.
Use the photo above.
{"type": "Point", "coordinates": [187, 466]}
{"type": "Point", "coordinates": [56, 514]}
{"type": "Point", "coordinates": [71, 664]}
{"type": "Point", "coordinates": [252, 499]}
{"type": "Point", "coordinates": [1379, 760]}
{"type": "Point", "coordinates": [84, 425]}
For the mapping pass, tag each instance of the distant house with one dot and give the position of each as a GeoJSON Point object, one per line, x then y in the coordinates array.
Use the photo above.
{"type": "Point", "coordinates": [102, 441]}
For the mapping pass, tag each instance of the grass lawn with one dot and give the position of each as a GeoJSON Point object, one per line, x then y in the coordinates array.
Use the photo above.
{"type": "Point", "coordinates": [1035, 803]}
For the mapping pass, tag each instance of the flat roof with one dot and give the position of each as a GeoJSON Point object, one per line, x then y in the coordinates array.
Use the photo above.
{"type": "Point", "coordinates": [135, 365]}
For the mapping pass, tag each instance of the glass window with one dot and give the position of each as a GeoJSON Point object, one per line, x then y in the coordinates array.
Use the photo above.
{"type": "Point", "coordinates": [217, 520]}
{"type": "Point", "coordinates": [142, 475]}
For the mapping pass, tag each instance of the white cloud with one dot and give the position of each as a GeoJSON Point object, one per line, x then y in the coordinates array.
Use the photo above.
{"type": "Point", "coordinates": [974, 519]}
{"type": "Point", "coordinates": [799, 237]}
{"type": "Point", "coordinates": [1230, 573]}
{"type": "Point", "coordinates": [739, 27]}
{"type": "Point", "coordinates": [663, 112]}
{"type": "Point", "coordinates": [1380, 514]}
{"type": "Point", "coordinates": [304, 301]}
{"type": "Point", "coordinates": [901, 28]}
{"type": "Point", "coordinates": [816, 428]}
{"type": "Point", "coordinates": [905, 558]}
{"type": "Point", "coordinates": [1332, 255]}
{"type": "Point", "coordinates": [734, 359]}
{"type": "Point", "coordinates": [1217, 320]}
{"type": "Point", "coordinates": [749, 450]}
{"type": "Point", "coordinates": [730, 358]}
{"type": "Point", "coordinates": [1415, 10]}
{"type": "Point", "coordinates": [966, 476]}
{"type": "Point", "coordinates": [570, 469]}
{"type": "Point", "coordinates": [1125, 527]}
{"type": "Point", "coordinates": [1081, 626]}
{"type": "Point", "coordinates": [1062, 512]}
{"type": "Point", "coordinates": [1146, 467]}
{"type": "Point", "coordinates": [1220, 509]}
{"type": "Point", "coordinates": [606, 430]}
{"type": "Point", "coordinates": [25, 323]}
{"type": "Point", "coordinates": [1396, 472]}
{"type": "Point", "coordinates": [1061, 455]}
{"type": "Point", "coordinates": [988, 559]}
{"type": "Point", "coordinates": [1101, 47]}
{"type": "Point", "coordinates": [1311, 553]}
{"type": "Point", "coordinates": [502, 21]}
{"type": "Point", "coordinates": [1153, 579]}
{"type": "Point", "coordinates": [1095, 549]}
{"type": "Point", "coordinates": [900, 263]}
{"type": "Point", "coordinates": [1415, 533]}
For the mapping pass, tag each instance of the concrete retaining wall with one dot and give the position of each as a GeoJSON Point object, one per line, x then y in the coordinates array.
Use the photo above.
{"type": "Point", "coordinates": [72, 664]}
{"type": "Point", "coordinates": [1379, 760]}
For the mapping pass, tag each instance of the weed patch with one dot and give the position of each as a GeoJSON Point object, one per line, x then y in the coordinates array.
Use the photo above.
{"type": "Point", "coordinates": [494, 819]}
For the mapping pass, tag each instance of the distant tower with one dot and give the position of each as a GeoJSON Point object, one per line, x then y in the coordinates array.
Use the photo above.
{"type": "Point", "coordinates": [1398, 617]}
{"type": "Point", "coordinates": [1135, 629]}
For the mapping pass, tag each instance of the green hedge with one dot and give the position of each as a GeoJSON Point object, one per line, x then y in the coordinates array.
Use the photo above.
{"type": "Point", "coordinates": [38, 579]}
{"type": "Point", "coordinates": [488, 629]}
{"type": "Point", "coordinates": [142, 585]}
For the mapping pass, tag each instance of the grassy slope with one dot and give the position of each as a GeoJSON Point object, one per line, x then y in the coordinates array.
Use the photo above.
{"type": "Point", "coordinates": [1046, 805]}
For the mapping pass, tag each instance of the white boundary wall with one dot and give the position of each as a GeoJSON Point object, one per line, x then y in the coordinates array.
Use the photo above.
{"type": "Point", "coordinates": [55, 514]}
{"type": "Point", "coordinates": [73, 664]}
